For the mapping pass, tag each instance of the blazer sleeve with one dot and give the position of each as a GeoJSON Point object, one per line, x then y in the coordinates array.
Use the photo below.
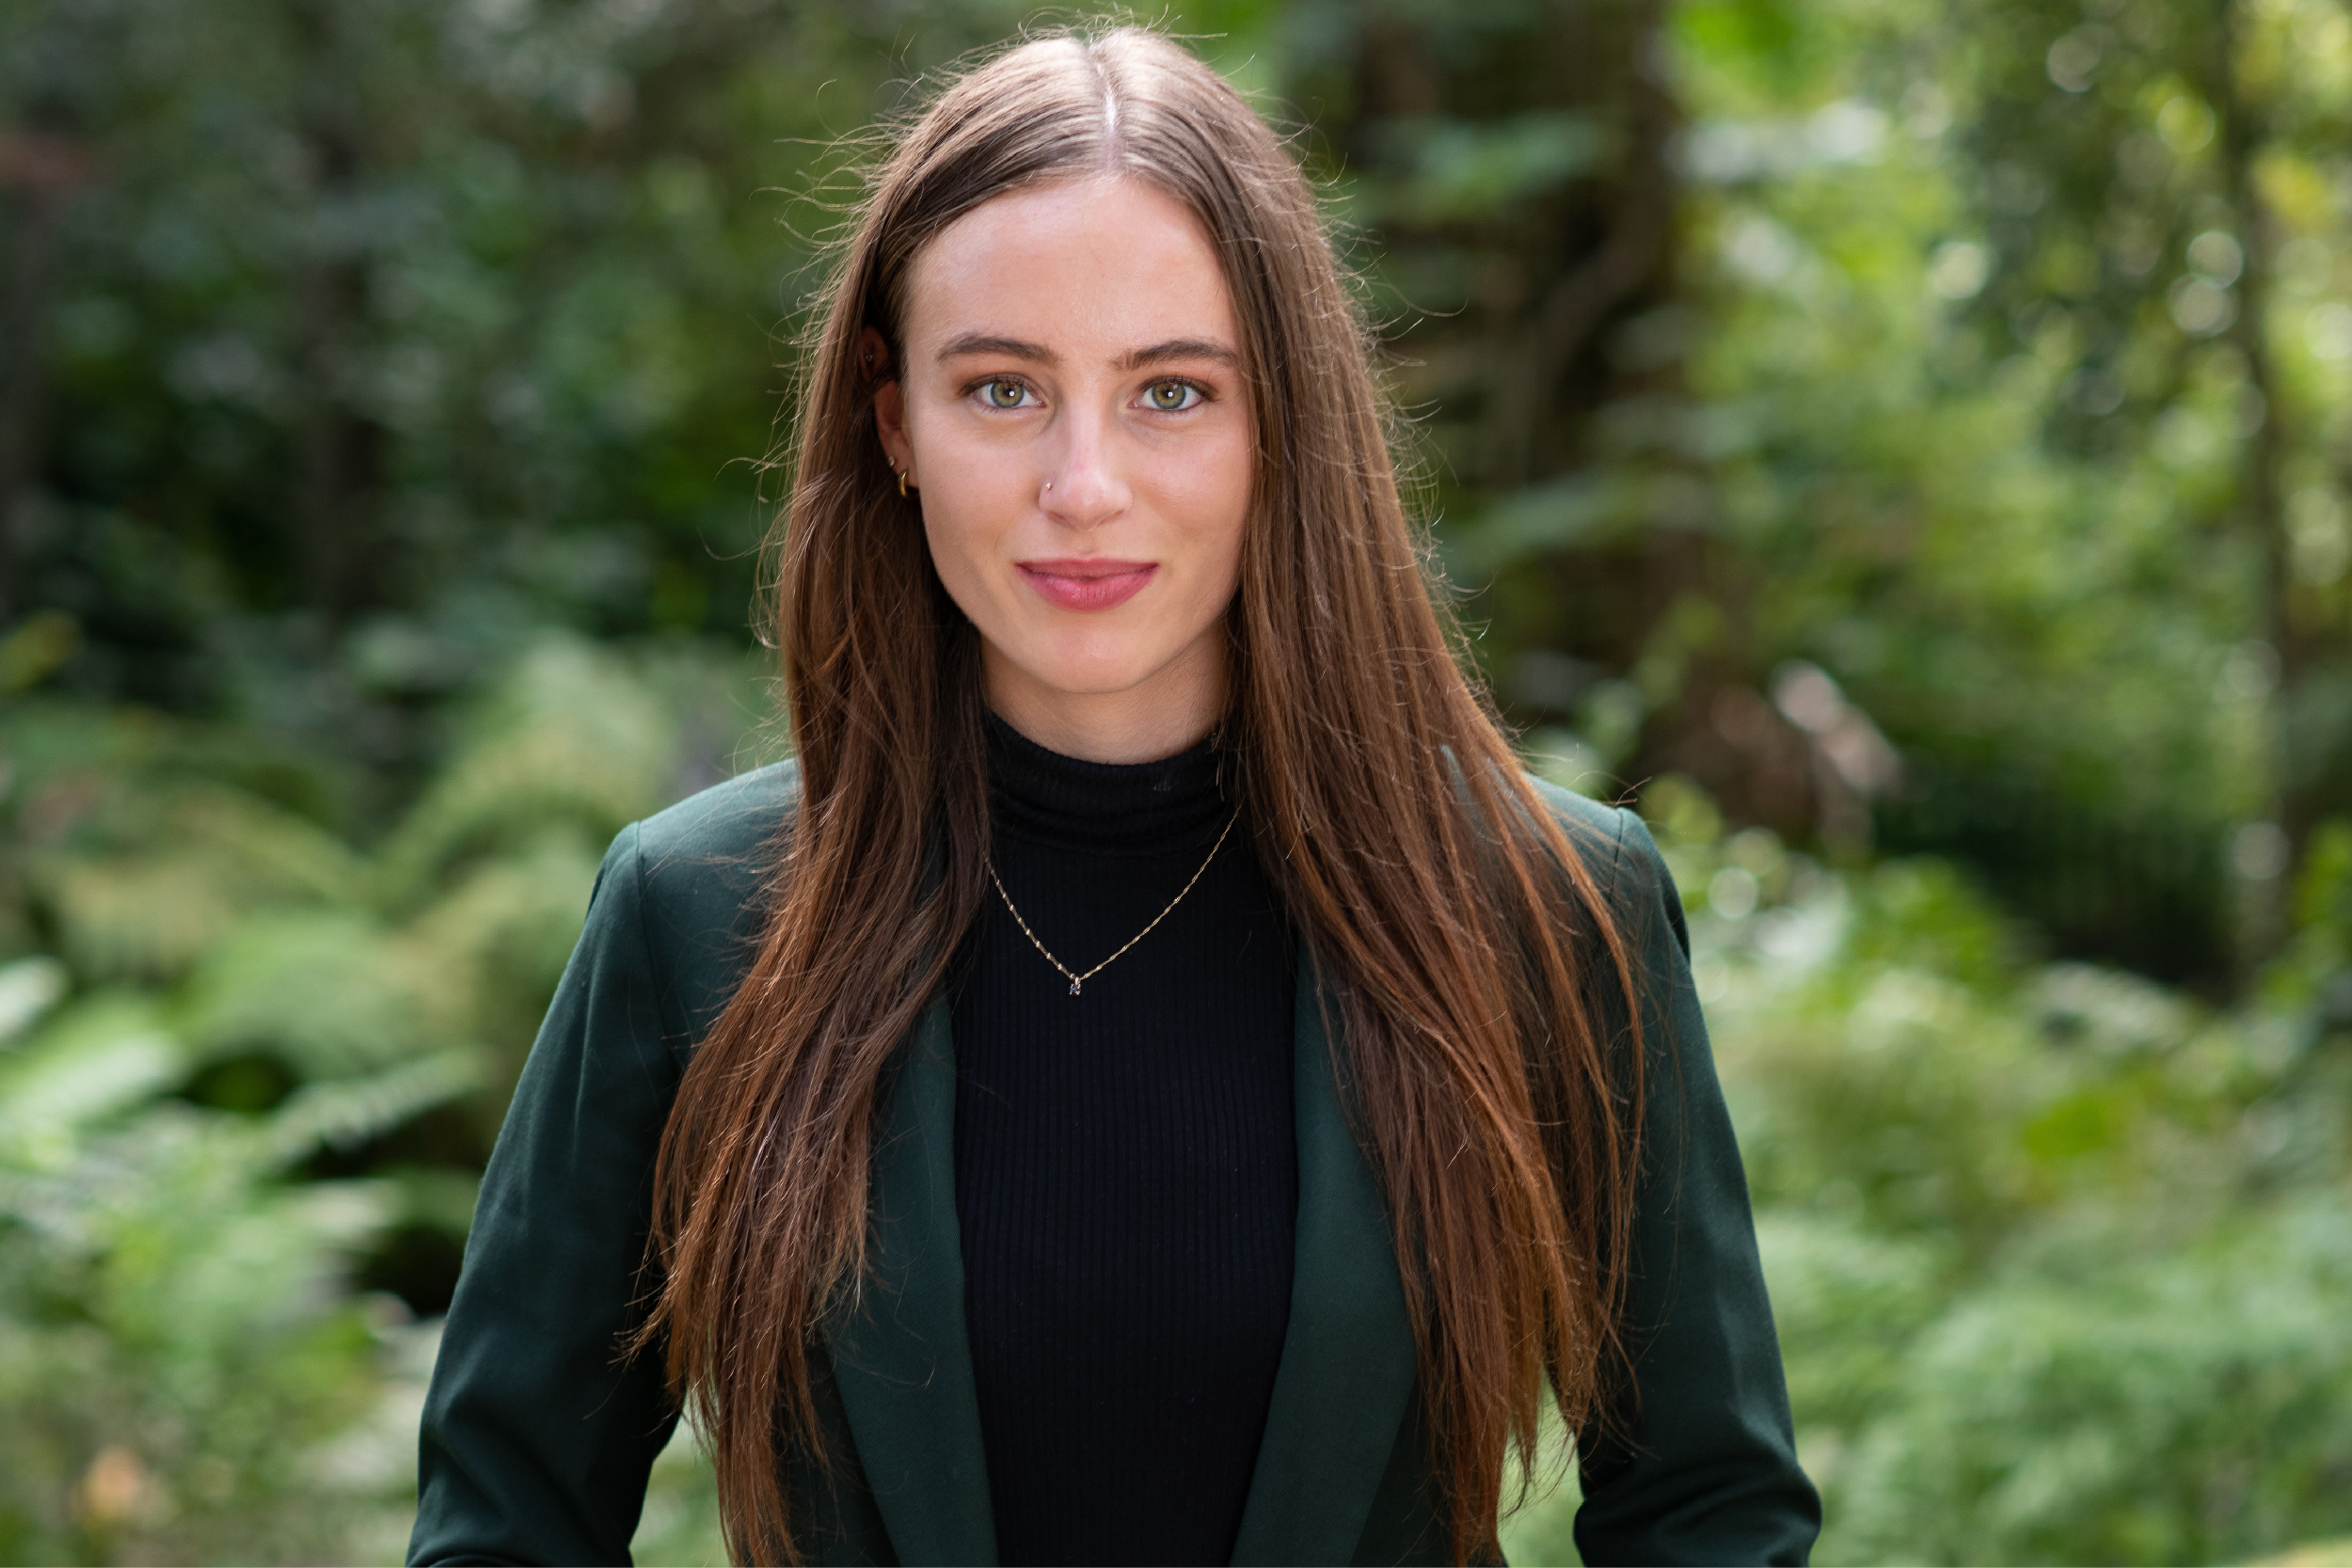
{"type": "Point", "coordinates": [537, 1437]}
{"type": "Point", "coordinates": [1699, 1464]}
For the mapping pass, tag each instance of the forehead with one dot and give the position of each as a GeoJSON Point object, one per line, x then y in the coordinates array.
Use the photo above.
{"type": "Point", "coordinates": [1101, 264]}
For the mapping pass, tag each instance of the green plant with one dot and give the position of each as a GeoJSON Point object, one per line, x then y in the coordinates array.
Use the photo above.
{"type": "Point", "coordinates": [2058, 1256]}
{"type": "Point", "coordinates": [261, 1071]}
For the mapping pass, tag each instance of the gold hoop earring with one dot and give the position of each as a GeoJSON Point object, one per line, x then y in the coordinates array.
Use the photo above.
{"type": "Point", "coordinates": [902, 482]}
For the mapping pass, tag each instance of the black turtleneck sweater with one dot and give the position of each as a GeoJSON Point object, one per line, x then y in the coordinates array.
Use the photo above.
{"type": "Point", "coordinates": [1126, 1171]}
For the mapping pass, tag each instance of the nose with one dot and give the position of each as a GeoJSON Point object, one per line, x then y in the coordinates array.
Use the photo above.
{"type": "Point", "coordinates": [1085, 488]}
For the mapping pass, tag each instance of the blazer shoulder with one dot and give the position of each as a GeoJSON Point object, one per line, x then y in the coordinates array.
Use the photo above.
{"type": "Point", "coordinates": [737, 818]}
{"type": "Point", "coordinates": [1627, 866]}
{"type": "Point", "coordinates": [1615, 842]}
{"type": "Point", "coordinates": [1587, 820]}
{"type": "Point", "coordinates": [701, 874]}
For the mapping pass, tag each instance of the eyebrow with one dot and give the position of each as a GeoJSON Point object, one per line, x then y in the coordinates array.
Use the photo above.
{"type": "Point", "coordinates": [1016, 348]}
{"type": "Point", "coordinates": [1012, 348]}
{"type": "Point", "coordinates": [1181, 348]}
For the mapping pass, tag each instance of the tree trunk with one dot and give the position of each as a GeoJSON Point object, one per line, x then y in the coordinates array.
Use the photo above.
{"type": "Point", "coordinates": [1521, 370]}
{"type": "Point", "coordinates": [337, 498]}
{"type": "Point", "coordinates": [2289, 619]}
{"type": "Point", "coordinates": [39, 172]}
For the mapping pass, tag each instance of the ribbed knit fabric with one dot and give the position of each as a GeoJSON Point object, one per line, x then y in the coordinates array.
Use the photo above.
{"type": "Point", "coordinates": [1126, 1168]}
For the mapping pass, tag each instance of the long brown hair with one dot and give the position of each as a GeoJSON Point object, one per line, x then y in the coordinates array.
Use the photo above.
{"type": "Point", "coordinates": [1453, 920]}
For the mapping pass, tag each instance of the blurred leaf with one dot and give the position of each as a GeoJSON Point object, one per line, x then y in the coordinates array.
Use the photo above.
{"type": "Point", "coordinates": [346, 1113]}
{"type": "Point", "coordinates": [1470, 170]}
{"type": "Point", "coordinates": [332, 994]}
{"type": "Point", "coordinates": [2313, 1554]}
{"type": "Point", "coordinates": [568, 739]}
{"type": "Point", "coordinates": [167, 870]}
{"type": "Point", "coordinates": [35, 648]}
{"type": "Point", "coordinates": [99, 1057]}
{"type": "Point", "coordinates": [28, 988]}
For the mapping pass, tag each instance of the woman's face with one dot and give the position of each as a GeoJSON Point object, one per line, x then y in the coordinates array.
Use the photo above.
{"type": "Point", "coordinates": [1072, 405]}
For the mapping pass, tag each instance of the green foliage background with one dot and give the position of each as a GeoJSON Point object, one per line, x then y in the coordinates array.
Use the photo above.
{"type": "Point", "coordinates": [1902, 445]}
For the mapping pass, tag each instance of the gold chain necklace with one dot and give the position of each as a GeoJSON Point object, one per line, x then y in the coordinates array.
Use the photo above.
{"type": "Point", "coordinates": [1078, 980]}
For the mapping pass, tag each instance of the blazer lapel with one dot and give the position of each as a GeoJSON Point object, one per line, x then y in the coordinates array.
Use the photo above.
{"type": "Point", "coordinates": [1348, 1368]}
{"type": "Point", "coordinates": [901, 1363]}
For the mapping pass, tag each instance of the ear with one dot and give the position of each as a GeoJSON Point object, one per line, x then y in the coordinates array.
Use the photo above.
{"type": "Point", "coordinates": [890, 407]}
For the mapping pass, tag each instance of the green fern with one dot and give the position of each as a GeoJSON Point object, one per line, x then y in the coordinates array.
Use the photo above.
{"type": "Point", "coordinates": [188, 1373]}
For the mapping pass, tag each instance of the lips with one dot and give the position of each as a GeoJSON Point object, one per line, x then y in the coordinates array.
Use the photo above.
{"type": "Point", "coordinates": [1086, 583]}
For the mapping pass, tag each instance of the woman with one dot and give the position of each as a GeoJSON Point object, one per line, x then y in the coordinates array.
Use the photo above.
{"type": "Point", "coordinates": [1151, 1081]}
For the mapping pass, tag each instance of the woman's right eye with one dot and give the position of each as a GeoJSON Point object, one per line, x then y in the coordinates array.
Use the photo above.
{"type": "Point", "coordinates": [1004, 394]}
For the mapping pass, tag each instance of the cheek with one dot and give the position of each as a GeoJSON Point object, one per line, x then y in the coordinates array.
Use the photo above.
{"type": "Point", "coordinates": [1216, 495]}
{"type": "Point", "coordinates": [960, 545]}
{"type": "Point", "coordinates": [970, 495]}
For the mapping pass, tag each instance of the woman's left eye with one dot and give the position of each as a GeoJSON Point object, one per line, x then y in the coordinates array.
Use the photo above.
{"type": "Point", "coordinates": [1170, 397]}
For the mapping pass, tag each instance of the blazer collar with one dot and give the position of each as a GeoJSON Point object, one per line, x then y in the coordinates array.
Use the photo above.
{"type": "Point", "coordinates": [1341, 1391]}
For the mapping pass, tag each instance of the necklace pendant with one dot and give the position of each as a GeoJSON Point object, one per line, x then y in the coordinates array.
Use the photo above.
{"type": "Point", "coordinates": [1074, 987]}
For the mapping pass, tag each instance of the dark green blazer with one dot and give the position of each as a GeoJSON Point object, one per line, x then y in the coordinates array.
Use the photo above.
{"type": "Point", "coordinates": [537, 1438]}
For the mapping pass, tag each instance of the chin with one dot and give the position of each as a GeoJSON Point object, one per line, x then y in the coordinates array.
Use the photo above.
{"type": "Point", "coordinates": [1087, 680]}
{"type": "Point", "coordinates": [1090, 664]}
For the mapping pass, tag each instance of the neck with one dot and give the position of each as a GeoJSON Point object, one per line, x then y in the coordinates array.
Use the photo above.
{"type": "Point", "coordinates": [1169, 713]}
